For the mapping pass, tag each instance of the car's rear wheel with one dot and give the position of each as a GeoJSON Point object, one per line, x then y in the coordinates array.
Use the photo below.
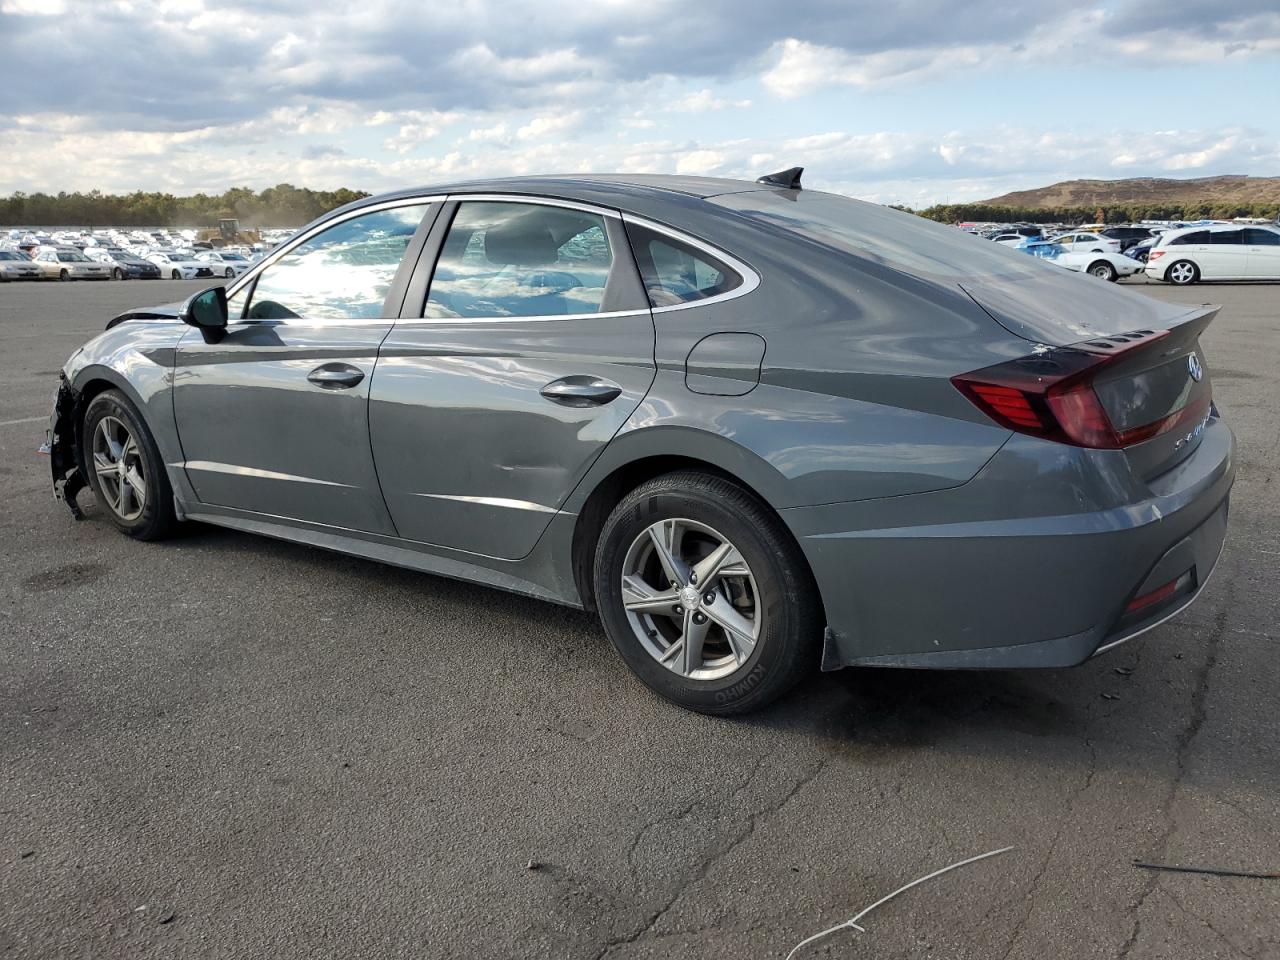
{"type": "Point", "coordinates": [1182, 273]}
{"type": "Point", "coordinates": [176, 275]}
{"type": "Point", "coordinates": [125, 468]}
{"type": "Point", "coordinates": [705, 595]}
{"type": "Point", "coordinates": [1103, 269]}
{"type": "Point", "coordinates": [117, 274]}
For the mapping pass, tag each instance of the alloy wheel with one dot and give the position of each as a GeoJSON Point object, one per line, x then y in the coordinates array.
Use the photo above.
{"type": "Point", "coordinates": [1182, 272]}
{"type": "Point", "coordinates": [117, 461]}
{"type": "Point", "coordinates": [691, 599]}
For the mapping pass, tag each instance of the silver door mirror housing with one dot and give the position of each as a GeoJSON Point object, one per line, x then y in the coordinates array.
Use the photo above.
{"type": "Point", "coordinates": [206, 310]}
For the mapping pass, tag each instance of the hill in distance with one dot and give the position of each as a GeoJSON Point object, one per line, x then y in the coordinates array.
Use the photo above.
{"type": "Point", "coordinates": [1146, 190]}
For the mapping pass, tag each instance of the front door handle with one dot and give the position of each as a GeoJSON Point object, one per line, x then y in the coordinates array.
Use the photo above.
{"type": "Point", "coordinates": [336, 376]}
{"type": "Point", "coordinates": [581, 391]}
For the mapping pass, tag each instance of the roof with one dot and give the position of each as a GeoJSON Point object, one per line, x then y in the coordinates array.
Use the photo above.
{"type": "Point", "coordinates": [639, 193]}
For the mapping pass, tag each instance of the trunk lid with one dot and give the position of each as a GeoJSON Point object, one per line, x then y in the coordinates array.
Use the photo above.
{"type": "Point", "coordinates": [1153, 386]}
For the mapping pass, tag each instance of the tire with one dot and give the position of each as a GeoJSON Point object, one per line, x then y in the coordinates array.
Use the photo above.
{"type": "Point", "coordinates": [229, 273]}
{"type": "Point", "coordinates": [776, 599]}
{"type": "Point", "coordinates": [1103, 270]}
{"type": "Point", "coordinates": [176, 275]}
{"type": "Point", "coordinates": [1182, 273]}
{"type": "Point", "coordinates": [117, 274]}
{"type": "Point", "coordinates": [63, 275]}
{"type": "Point", "coordinates": [154, 519]}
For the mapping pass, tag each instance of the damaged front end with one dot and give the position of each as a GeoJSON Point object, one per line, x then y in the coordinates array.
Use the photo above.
{"type": "Point", "coordinates": [64, 447]}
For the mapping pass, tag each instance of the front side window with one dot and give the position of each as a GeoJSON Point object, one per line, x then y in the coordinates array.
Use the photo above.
{"type": "Point", "coordinates": [676, 272]}
{"type": "Point", "coordinates": [342, 273]}
{"type": "Point", "coordinates": [1261, 238]}
{"type": "Point", "coordinates": [520, 260]}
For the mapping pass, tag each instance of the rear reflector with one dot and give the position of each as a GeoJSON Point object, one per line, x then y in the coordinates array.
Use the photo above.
{"type": "Point", "coordinates": [1050, 394]}
{"type": "Point", "coordinates": [1159, 593]}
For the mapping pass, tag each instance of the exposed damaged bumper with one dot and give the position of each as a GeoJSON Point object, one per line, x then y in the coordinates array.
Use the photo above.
{"type": "Point", "coordinates": [62, 445]}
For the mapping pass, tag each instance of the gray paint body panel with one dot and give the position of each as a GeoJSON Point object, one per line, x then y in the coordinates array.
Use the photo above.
{"type": "Point", "coordinates": [936, 537]}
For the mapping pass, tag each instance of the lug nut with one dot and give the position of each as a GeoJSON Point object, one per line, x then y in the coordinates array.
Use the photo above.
{"type": "Point", "coordinates": [699, 618]}
{"type": "Point", "coordinates": [678, 610]}
{"type": "Point", "coordinates": [693, 577]}
{"type": "Point", "coordinates": [708, 597]}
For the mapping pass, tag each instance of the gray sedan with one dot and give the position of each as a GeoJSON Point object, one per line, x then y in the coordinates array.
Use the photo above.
{"type": "Point", "coordinates": [761, 430]}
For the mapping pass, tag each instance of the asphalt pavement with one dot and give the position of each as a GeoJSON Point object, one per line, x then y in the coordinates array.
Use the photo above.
{"type": "Point", "coordinates": [226, 746]}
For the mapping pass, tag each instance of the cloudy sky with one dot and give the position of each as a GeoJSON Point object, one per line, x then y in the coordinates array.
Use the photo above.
{"type": "Point", "coordinates": [913, 101]}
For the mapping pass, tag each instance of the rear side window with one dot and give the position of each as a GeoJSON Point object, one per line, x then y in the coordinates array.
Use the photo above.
{"type": "Point", "coordinates": [1219, 237]}
{"type": "Point", "coordinates": [676, 272]}
{"type": "Point", "coordinates": [1261, 238]}
{"type": "Point", "coordinates": [520, 260]}
{"type": "Point", "coordinates": [342, 273]}
{"type": "Point", "coordinates": [1199, 236]}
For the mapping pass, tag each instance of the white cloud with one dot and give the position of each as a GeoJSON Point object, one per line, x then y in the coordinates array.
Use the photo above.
{"type": "Point", "coordinates": [540, 127]}
{"type": "Point", "coordinates": [703, 101]}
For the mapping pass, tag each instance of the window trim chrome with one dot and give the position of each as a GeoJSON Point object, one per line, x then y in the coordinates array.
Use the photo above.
{"type": "Point", "coordinates": [750, 279]}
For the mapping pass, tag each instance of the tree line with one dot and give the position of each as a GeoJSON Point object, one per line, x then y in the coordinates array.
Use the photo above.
{"type": "Point", "coordinates": [283, 205]}
{"type": "Point", "coordinates": [1106, 213]}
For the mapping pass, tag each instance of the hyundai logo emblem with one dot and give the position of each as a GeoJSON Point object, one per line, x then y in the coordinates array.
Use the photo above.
{"type": "Point", "coordinates": [1194, 368]}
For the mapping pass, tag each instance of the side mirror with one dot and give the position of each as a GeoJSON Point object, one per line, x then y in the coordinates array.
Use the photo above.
{"type": "Point", "coordinates": [207, 310]}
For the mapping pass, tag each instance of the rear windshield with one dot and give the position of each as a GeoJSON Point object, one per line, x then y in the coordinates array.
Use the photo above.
{"type": "Point", "coordinates": [899, 240]}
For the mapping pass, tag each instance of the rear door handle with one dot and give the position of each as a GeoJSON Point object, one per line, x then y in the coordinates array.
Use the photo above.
{"type": "Point", "coordinates": [581, 391]}
{"type": "Point", "coordinates": [336, 376]}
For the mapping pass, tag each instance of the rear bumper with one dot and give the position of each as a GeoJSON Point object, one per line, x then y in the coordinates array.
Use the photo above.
{"type": "Point", "coordinates": [966, 579]}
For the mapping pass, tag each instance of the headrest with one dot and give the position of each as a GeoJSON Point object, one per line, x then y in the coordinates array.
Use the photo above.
{"type": "Point", "coordinates": [525, 241]}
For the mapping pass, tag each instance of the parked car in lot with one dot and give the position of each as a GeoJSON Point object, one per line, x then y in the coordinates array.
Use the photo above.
{"type": "Point", "coordinates": [759, 429]}
{"type": "Point", "coordinates": [1216, 253]}
{"type": "Point", "coordinates": [124, 265]}
{"type": "Point", "coordinates": [1127, 234]}
{"type": "Point", "coordinates": [1140, 250]}
{"type": "Point", "coordinates": [17, 266]}
{"type": "Point", "coordinates": [179, 266]}
{"type": "Point", "coordinates": [225, 263]}
{"type": "Point", "coordinates": [1105, 265]}
{"type": "Point", "coordinates": [1087, 243]}
{"type": "Point", "coordinates": [68, 263]}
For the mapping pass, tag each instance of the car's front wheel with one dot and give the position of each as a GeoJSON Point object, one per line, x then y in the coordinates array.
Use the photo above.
{"type": "Point", "coordinates": [229, 273]}
{"type": "Point", "coordinates": [125, 468]}
{"type": "Point", "coordinates": [117, 274]}
{"type": "Point", "coordinates": [1182, 273]}
{"type": "Point", "coordinates": [177, 275]}
{"type": "Point", "coordinates": [705, 595]}
{"type": "Point", "coordinates": [63, 275]}
{"type": "Point", "coordinates": [1103, 270]}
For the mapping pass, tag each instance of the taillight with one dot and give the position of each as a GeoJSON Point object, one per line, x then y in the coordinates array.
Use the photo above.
{"type": "Point", "coordinates": [1155, 255]}
{"type": "Point", "coordinates": [1050, 394]}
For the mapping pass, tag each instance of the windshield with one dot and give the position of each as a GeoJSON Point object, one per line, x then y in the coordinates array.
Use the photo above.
{"type": "Point", "coordinates": [900, 240]}
{"type": "Point", "coordinates": [7, 255]}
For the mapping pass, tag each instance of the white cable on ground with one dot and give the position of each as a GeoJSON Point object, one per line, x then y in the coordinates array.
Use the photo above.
{"type": "Point", "coordinates": [852, 924]}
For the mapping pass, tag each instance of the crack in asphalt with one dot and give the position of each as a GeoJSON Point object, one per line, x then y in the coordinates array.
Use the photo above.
{"type": "Point", "coordinates": [1199, 697]}
{"type": "Point", "coordinates": [1068, 806]}
{"type": "Point", "coordinates": [1182, 907]}
{"type": "Point", "coordinates": [722, 850]}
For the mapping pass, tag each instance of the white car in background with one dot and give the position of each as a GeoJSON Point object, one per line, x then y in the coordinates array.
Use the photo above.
{"type": "Point", "coordinates": [225, 262]}
{"type": "Point", "coordinates": [1098, 263]}
{"type": "Point", "coordinates": [68, 263]}
{"type": "Point", "coordinates": [1216, 253]}
{"type": "Point", "coordinates": [179, 266]}
{"type": "Point", "coordinates": [17, 266]}
{"type": "Point", "coordinates": [1085, 242]}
